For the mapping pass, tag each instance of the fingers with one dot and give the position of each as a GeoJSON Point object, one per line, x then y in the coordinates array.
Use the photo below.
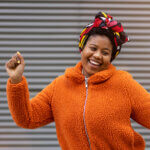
{"type": "Point", "coordinates": [16, 60]}
{"type": "Point", "coordinates": [12, 63]}
{"type": "Point", "coordinates": [15, 68]}
{"type": "Point", "coordinates": [20, 59]}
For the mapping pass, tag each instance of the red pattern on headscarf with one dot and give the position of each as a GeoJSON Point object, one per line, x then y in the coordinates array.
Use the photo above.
{"type": "Point", "coordinates": [105, 21]}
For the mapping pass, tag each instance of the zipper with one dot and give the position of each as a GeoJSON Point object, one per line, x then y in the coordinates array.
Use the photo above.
{"type": "Point", "coordinates": [86, 85]}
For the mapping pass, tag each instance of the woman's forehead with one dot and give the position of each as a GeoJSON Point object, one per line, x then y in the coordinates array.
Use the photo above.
{"type": "Point", "coordinates": [95, 39]}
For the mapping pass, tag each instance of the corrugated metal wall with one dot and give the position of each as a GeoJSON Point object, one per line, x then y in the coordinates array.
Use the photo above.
{"type": "Point", "coordinates": [46, 32]}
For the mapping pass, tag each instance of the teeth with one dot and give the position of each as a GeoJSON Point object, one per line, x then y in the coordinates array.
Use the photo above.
{"type": "Point", "coordinates": [94, 63]}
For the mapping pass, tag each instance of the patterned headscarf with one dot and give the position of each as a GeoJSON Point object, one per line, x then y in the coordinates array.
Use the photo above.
{"type": "Point", "coordinates": [105, 21]}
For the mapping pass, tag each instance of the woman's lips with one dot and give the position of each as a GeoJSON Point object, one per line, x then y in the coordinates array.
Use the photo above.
{"type": "Point", "coordinates": [95, 63]}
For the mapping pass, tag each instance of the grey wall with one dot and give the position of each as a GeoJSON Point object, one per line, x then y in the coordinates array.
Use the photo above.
{"type": "Point", "coordinates": [46, 32]}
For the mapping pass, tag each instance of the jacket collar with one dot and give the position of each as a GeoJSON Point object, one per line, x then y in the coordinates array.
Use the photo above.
{"type": "Point", "coordinates": [75, 73]}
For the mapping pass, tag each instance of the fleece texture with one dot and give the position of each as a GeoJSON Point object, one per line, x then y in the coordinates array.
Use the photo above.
{"type": "Point", "coordinates": [113, 98]}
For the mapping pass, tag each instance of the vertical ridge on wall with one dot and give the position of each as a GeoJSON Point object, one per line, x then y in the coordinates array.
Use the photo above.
{"type": "Point", "coordinates": [46, 32]}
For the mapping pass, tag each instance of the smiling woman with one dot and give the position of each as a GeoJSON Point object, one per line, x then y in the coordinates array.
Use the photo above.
{"type": "Point", "coordinates": [92, 103]}
{"type": "Point", "coordinates": [96, 55]}
{"type": "Point", "coordinates": [100, 42]}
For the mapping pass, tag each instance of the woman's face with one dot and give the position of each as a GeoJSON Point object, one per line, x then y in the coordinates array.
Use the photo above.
{"type": "Point", "coordinates": [96, 54]}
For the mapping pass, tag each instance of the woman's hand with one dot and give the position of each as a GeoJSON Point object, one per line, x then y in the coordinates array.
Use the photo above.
{"type": "Point", "coordinates": [15, 68]}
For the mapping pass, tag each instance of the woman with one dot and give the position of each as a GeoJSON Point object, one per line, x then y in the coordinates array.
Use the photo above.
{"type": "Point", "coordinates": [92, 103]}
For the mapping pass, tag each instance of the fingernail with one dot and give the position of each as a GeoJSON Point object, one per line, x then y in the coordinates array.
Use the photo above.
{"type": "Point", "coordinates": [18, 61]}
{"type": "Point", "coordinates": [18, 53]}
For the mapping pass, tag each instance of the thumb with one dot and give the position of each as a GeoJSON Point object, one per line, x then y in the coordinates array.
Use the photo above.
{"type": "Point", "coordinates": [21, 59]}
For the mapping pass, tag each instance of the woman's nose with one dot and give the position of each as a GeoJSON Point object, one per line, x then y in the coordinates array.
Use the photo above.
{"type": "Point", "coordinates": [97, 55]}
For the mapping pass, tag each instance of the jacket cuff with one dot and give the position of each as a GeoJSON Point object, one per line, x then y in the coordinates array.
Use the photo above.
{"type": "Point", "coordinates": [16, 86]}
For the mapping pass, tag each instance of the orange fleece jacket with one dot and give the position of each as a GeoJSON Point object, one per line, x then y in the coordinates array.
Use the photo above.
{"type": "Point", "coordinates": [102, 123]}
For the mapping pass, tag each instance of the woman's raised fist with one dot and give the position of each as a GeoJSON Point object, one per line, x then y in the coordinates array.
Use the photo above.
{"type": "Point", "coordinates": [15, 68]}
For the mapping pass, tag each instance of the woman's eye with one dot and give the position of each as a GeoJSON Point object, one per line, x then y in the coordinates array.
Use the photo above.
{"type": "Point", "coordinates": [105, 53]}
{"type": "Point", "coordinates": [93, 48]}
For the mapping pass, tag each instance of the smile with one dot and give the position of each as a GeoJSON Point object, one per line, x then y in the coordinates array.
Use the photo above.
{"type": "Point", "coordinates": [92, 62]}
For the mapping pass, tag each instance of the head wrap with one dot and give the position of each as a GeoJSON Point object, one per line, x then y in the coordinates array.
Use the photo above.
{"type": "Point", "coordinates": [105, 21]}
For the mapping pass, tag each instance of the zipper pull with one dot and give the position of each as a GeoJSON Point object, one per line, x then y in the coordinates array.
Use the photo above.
{"type": "Point", "coordinates": [86, 85]}
{"type": "Point", "coordinates": [86, 82]}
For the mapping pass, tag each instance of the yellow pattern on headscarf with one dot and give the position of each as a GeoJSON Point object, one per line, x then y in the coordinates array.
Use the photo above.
{"type": "Point", "coordinates": [104, 14]}
{"type": "Point", "coordinates": [116, 53]}
{"type": "Point", "coordinates": [82, 41]}
{"type": "Point", "coordinates": [83, 31]}
{"type": "Point", "coordinates": [117, 34]}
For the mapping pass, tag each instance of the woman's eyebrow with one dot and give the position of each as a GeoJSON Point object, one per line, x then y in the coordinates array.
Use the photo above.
{"type": "Point", "coordinates": [93, 44]}
{"type": "Point", "coordinates": [102, 49]}
{"type": "Point", "coordinates": [106, 49]}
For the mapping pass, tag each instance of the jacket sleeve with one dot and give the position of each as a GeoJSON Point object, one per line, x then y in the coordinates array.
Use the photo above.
{"type": "Point", "coordinates": [140, 101]}
{"type": "Point", "coordinates": [27, 113]}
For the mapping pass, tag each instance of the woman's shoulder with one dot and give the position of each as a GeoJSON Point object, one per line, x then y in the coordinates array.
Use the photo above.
{"type": "Point", "coordinates": [122, 78]}
{"type": "Point", "coordinates": [123, 75]}
{"type": "Point", "coordinates": [59, 79]}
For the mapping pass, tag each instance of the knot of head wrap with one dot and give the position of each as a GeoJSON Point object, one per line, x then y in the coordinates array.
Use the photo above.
{"type": "Point", "coordinates": [105, 21]}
